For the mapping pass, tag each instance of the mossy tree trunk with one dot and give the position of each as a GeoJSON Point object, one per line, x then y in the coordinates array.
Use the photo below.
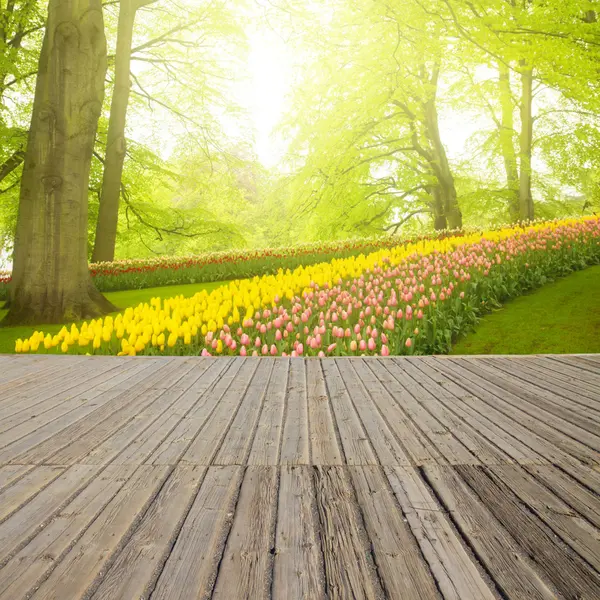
{"type": "Point", "coordinates": [116, 147]}
{"type": "Point", "coordinates": [51, 281]}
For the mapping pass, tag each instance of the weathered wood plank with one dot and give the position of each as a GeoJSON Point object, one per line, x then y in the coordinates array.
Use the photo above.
{"type": "Point", "coordinates": [298, 572]}
{"type": "Point", "coordinates": [295, 447]}
{"type": "Point", "coordinates": [389, 397]}
{"type": "Point", "coordinates": [133, 567]}
{"type": "Point", "coordinates": [359, 380]}
{"type": "Point", "coordinates": [574, 577]}
{"type": "Point", "coordinates": [354, 440]}
{"type": "Point", "coordinates": [142, 435]}
{"type": "Point", "coordinates": [504, 560]}
{"type": "Point", "coordinates": [235, 446]}
{"type": "Point", "coordinates": [18, 494]}
{"type": "Point", "coordinates": [267, 440]}
{"type": "Point", "coordinates": [575, 394]}
{"type": "Point", "coordinates": [208, 441]}
{"type": "Point", "coordinates": [583, 538]}
{"type": "Point", "coordinates": [492, 397]}
{"type": "Point", "coordinates": [179, 439]}
{"type": "Point", "coordinates": [84, 562]}
{"type": "Point", "coordinates": [45, 426]}
{"type": "Point", "coordinates": [57, 403]}
{"type": "Point", "coordinates": [349, 566]}
{"type": "Point", "coordinates": [37, 559]}
{"type": "Point", "coordinates": [21, 526]}
{"type": "Point", "coordinates": [325, 449]}
{"type": "Point", "coordinates": [191, 568]}
{"type": "Point", "coordinates": [454, 569]}
{"type": "Point", "coordinates": [402, 570]}
{"type": "Point", "coordinates": [481, 445]}
{"type": "Point", "coordinates": [537, 398]}
{"type": "Point", "coordinates": [75, 440]}
{"type": "Point", "coordinates": [11, 473]}
{"type": "Point", "coordinates": [245, 570]}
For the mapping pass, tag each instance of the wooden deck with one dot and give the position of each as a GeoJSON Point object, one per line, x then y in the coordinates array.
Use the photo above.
{"type": "Point", "coordinates": [184, 478]}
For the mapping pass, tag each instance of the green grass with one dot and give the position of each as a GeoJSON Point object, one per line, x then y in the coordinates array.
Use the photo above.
{"type": "Point", "coordinates": [122, 300]}
{"type": "Point", "coordinates": [561, 317]}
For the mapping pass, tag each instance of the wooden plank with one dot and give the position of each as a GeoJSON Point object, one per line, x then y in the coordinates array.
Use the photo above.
{"type": "Point", "coordinates": [20, 527]}
{"type": "Point", "coordinates": [295, 447]}
{"type": "Point", "coordinates": [85, 560]}
{"type": "Point", "coordinates": [349, 565]}
{"type": "Point", "coordinates": [355, 441]}
{"type": "Point", "coordinates": [31, 380]}
{"type": "Point", "coordinates": [504, 560]}
{"type": "Point", "coordinates": [37, 559]}
{"type": "Point", "coordinates": [208, 441]}
{"type": "Point", "coordinates": [491, 412]}
{"type": "Point", "coordinates": [582, 537]}
{"type": "Point", "coordinates": [237, 442]}
{"type": "Point", "coordinates": [580, 363]}
{"type": "Point", "coordinates": [153, 396]}
{"type": "Point", "coordinates": [422, 407]}
{"type": "Point", "coordinates": [402, 570]}
{"type": "Point", "coordinates": [83, 376]}
{"type": "Point", "coordinates": [359, 380]}
{"type": "Point", "coordinates": [42, 427]}
{"type": "Point", "coordinates": [142, 436]}
{"type": "Point", "coordinates": [574, 577]}
{"type": "Point", "coordinates": [389, 398]}
{"type": "Point", "coordinates": [558, 363]}
{"type": "Point", "coordinates": [538, 398]}
{"type": "Point", "coordinates": [323, 436]}
{"type": "Point", "coordinates": [18, 494]}
{"type": "Point", "coordinates": [19, 366]}
{"type": "Point", "coordinates": [568, 489]}
{"type": "Point", "coordinates": [121, 555]}
{"type": "Point", "coordinates": [550, 380]}
{"type": "Point", "coordinates": [245, 570]}
{"type": "Point", "coordinates": [179, 439]}
{"type": "Point", "coordinates": [496, 398]}
{"type": "Point", "coordinates": [11, 473]}
{"type": "Point", "coordinates": [477, 442]}
{"type": "Point", "coordinates": [454, 569]}
{"type": "Point", "coordinates": [298, 571]}
{"type": "Point", "coordinates": [267, 439]}
{"type": "Point", "coordinates": [191, 568]}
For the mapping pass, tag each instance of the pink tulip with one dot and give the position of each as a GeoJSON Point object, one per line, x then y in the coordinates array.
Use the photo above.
{"type": "Point", "coordinates": [371, 344]}
{"type": "Point", "coordinates": [408, 343]}
{"type": "Point", "coordinates": [385, 351]}
{"type": "Point", "coordinates": [243, 351]}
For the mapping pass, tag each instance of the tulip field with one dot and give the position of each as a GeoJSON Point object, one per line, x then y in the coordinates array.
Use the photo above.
{"type": "Point", "coordinates": [413, 298]}
{"type": "Point", "coordinates": [226, 265]}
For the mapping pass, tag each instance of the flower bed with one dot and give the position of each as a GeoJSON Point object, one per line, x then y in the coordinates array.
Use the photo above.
{"type": "Point", "coordinates": [413, 298]}
{"type": "Point", "coordinates": [223, 266]}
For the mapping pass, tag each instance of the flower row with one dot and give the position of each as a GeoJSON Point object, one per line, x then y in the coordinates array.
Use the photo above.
{"type": "Point", "coordinates": [412, 298]}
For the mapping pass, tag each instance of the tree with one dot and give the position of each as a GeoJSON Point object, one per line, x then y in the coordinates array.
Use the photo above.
{"type": "Point", "coordinates": [108, 215]}
{"type": "Point", "coordinates": [51, 282]}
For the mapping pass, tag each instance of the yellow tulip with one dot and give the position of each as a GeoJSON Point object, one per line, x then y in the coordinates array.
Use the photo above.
{"type": "Point", "coordinates": [97, 342]}
{"type": "Point", "coordinates": [19, 345]}
{"type": "Point", "coordinates": [64, 347]}
{"type": "Point", "coordinates": [139, 345]}
{"type": "Point", "coordinates": [160, 340]}
{"type": "Point", "coordinates": [172, 340]}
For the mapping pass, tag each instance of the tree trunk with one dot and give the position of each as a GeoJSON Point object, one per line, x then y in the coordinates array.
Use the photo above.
{"type": "Point", "coordinates": [445, 191]}
{"type": "Point", "coordinates": [51, 281]}
{"type": "Point", "coordinates": [507, 145]}
{"type": "Point", "coordinates": [108, 214]}
{"type": "Point", "coordinates": [525, 198]}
